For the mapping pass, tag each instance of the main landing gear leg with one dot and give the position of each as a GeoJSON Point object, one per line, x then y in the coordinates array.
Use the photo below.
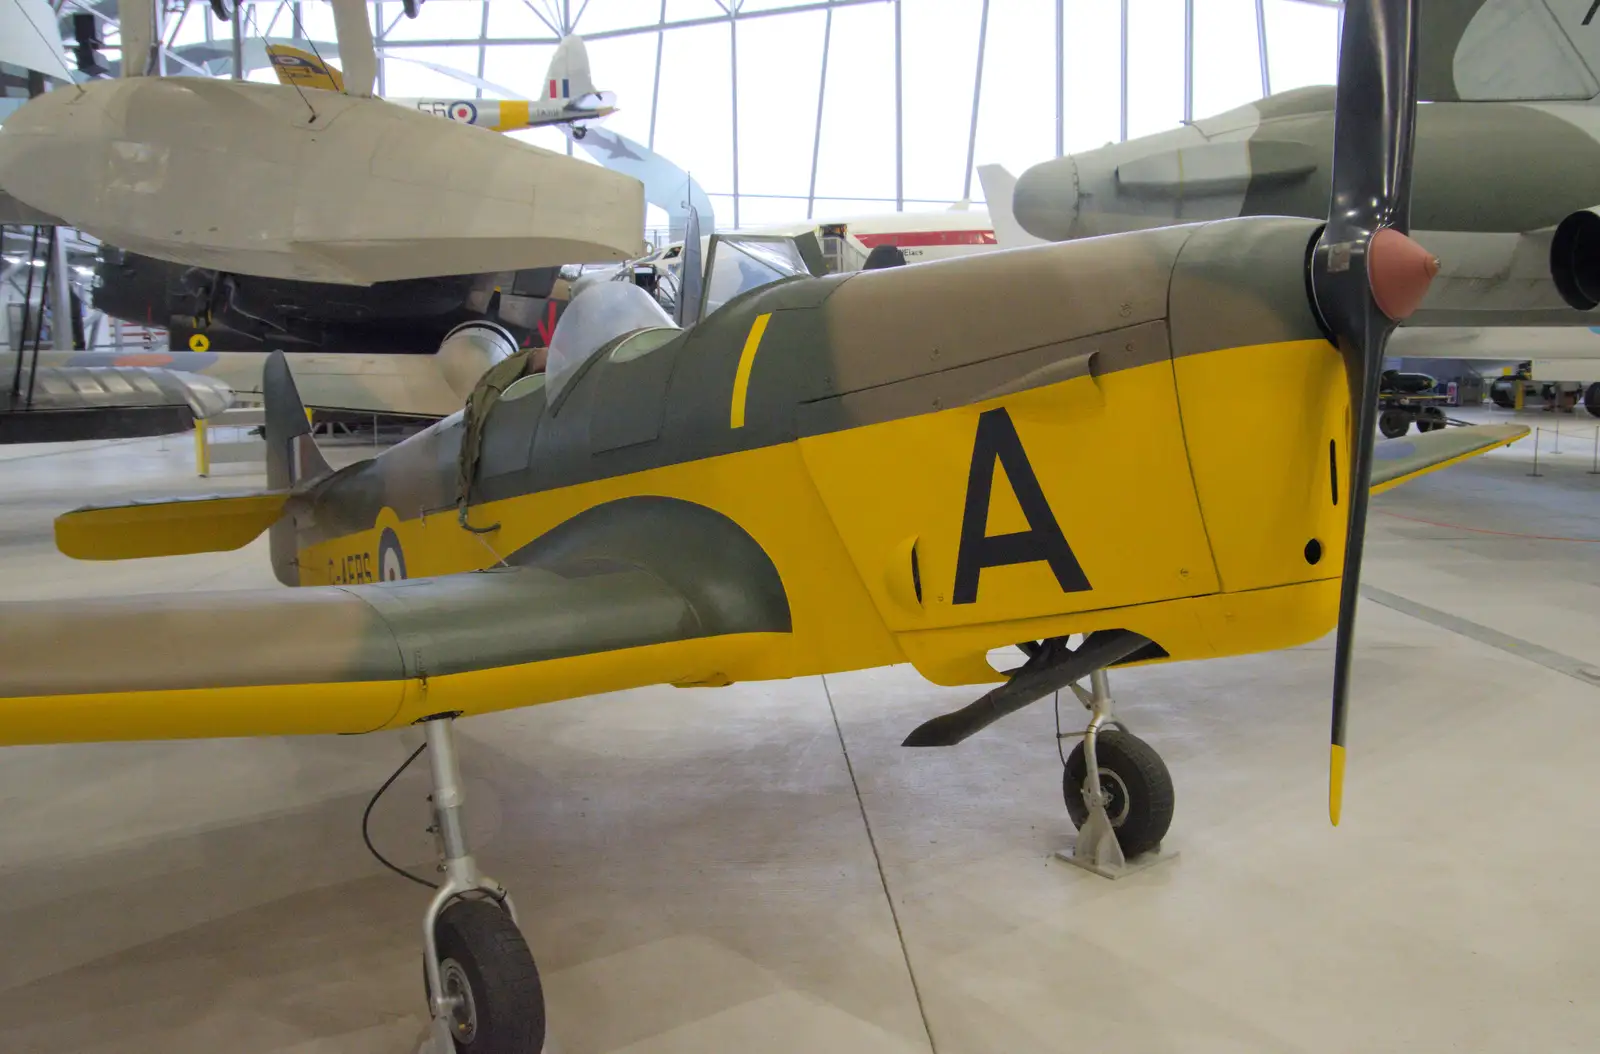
{"type": "Point", "coordinates": [484, 994]}
{"type": "Point", "coordinates": [1117, 790]}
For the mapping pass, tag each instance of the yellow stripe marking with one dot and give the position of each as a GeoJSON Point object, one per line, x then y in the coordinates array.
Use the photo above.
{"type": "Point", "coordinates": [741, 380]}
{"type": "Point", "coordinates": [1335, 782]}
{"type": "Point", "coordinates": [513, 115]}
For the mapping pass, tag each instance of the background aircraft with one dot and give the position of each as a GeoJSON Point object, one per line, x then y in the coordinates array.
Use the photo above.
{"type": "Point", "coordinates": [1507, 177]}
{"type": "Point", "coordinates": [193, 170]}
{"type": "Point", "coordinates": [569, 95]}
{"type": "Point", "coordinates": [248, 313]}
{"type": "Point", "coordinates": [45, 400]}
{"type": "Point", "coordinates": [425, 386]}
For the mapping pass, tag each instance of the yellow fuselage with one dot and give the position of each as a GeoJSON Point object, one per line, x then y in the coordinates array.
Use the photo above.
{"type": "Point", "coordinates": [1189, 516]}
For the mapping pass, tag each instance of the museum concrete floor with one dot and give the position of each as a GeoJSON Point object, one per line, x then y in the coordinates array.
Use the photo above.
{"type": "Point", "coordinates": [705, 870]}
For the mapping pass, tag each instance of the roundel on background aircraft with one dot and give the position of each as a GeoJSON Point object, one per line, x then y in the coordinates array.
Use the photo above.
{"type": "Point", "coordinates": [463, 112]}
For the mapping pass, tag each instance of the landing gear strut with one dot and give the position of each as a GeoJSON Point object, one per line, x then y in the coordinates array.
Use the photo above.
{"type": "Point", "coordinates": [484, 995]}
{"type": "Point", "coordinates": [1117, 789]}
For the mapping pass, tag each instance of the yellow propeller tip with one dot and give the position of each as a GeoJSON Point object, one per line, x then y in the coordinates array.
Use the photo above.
{"type": "Point", "coordinates": [1335, 782]}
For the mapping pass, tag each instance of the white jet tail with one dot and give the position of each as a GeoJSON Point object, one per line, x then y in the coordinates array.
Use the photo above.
{"type": "Point", "coordinates": [998, 186]}
{"type": "Point", "coordinates": [568, 79]}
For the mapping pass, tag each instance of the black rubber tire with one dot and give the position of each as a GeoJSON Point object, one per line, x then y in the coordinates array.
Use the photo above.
{"type": "Point", "coordinates": [1591, 399]}
{"type": "Point", "coordinates": [507, 997]}
{"type": "Point", "coordinates": [1394, 423]}
{"type": "Point", "coordinates": [1431, 419]}
{"type": "Point", "coordinates": [1141, 789]}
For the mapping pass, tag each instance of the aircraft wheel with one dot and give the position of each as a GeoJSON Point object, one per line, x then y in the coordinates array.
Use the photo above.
{"type": "Point", "coordinates": [224, 9]}
{"type": "Point", "coordinates": [578, 132]}
{"type": "Point", "coordinates": [1137, 780]}
{"type": "Point", "coordinates": [1431, 419]}
{"type": "Point", "coordinates": [487, 969]}
{"type": "Point", "coordinates": [1591, 399]}
{"type": "Point", "coordinates": [1394, 423]}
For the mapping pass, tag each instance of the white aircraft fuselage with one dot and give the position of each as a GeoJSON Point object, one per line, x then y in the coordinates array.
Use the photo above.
{"type": "Point", "coordinates": [268, 180]}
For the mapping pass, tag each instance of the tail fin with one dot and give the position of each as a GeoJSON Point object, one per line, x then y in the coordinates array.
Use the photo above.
{"type": "Point", "coordinates": [292, 455]}
{"type": "Point", "coordinates": [568, 79]}
{"type": "Point", "coordinates": [998, 186]}
{"type": "Point", "coordinates": [296, 68]}
{"type": "Point", "coordinates": [214, 524]}
{"type": "Point", "coordinates": [292, 458]}
{"type": "Point", "coordinates": [1491, 51]}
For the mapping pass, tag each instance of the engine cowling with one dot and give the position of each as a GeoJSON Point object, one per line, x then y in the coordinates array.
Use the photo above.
{"type": "Point", "coordinates": [1575, 259]}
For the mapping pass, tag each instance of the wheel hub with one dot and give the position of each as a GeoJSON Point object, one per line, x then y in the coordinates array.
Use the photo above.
{"type": "Point", "coordinates": [1116, 795]}
{"type": "Point", "coordinates": [458, 993]}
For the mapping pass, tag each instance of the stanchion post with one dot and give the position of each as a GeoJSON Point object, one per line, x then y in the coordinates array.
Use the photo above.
{"type": "Point", "coordinates": [202, 453]}
{"type": "Point", "coordinates": [1537, 432]}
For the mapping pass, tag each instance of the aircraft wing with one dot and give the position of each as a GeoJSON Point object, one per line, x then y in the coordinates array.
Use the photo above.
{"type": "Point", "coordinates": [1397, 461]}
{"type": "Point", "coordinates": [62, 403]}
{"type": "Point", "coordinates": [639, 591]}
{"type": "Point", "coordinates": [405, 385]}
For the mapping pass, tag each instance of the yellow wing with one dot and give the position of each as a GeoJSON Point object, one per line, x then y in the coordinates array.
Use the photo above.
{"type": "Point", "coordinates": [1397, 461]}
{"type": "Point", "coordinates": [640, 591]}
{"type": "Point", "coordinates": [300, 69]}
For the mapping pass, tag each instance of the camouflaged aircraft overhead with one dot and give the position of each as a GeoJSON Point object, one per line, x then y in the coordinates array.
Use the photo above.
{"type": "Point", "coordinates": [1507, 172]}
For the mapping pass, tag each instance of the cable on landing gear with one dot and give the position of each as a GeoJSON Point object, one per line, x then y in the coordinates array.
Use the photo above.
{"type": "Point", "coordinates": [366, 817]}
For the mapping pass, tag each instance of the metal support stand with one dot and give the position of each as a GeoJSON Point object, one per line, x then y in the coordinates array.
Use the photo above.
{"type": "Point", "coordinates": [461, 877]}
{"type": "Point", "coordinates": [1097, 848]}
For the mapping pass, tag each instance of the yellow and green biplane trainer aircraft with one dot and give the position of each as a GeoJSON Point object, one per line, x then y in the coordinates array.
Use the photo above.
{"type": "Point", "coordinates": [821, 474]}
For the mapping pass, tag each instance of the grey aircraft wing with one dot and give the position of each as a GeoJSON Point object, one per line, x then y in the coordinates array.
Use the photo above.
{"type": "Point", "coordinates": [61, 403]}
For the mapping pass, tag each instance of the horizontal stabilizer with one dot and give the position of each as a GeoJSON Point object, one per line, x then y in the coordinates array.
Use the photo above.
{"type": "Point", "coordinates": [175, 527]}
{"type": "Point", "coordinates": [1397, 461]}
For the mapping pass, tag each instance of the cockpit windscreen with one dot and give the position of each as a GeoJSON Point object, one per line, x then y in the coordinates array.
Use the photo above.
{"type": "Point", "coordinates": [597, 316]}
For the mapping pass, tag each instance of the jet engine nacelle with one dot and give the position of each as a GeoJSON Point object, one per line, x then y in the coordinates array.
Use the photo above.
{"type": "Point", "coordinates": [468, 351]}
{"type": "Point", "coordinates": [1575, 259]}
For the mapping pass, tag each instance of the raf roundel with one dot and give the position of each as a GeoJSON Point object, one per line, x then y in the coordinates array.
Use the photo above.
{"type": "Point", "coordinates": [463, 112]}
{"type": "Point", "coordinates": [391, 559]}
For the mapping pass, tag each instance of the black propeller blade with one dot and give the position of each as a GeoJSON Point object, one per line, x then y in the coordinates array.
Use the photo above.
{"type": "Point", "coordinates": [1366, 272]}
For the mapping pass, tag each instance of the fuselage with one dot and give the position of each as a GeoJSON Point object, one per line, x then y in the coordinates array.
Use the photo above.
{"type": "Point", "coordinates": [268, 180]}
{"type": "Point", "coordinates": [931, 482]}
{"type": "Point", "coordinates": [507, 115]}
{"type": "Point", "coordinates": [1491, 182]}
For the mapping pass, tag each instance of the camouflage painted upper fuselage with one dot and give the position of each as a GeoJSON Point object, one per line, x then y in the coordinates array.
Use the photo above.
{"type": "Point", "coordinates": [1491, 181]}
{"type": "Point", "coordinates": [880, 435]}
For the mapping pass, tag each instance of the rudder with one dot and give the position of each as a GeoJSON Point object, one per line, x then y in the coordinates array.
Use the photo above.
{"type": "Point", "coordinates": [292, 458]}
{"type": "Point", "coordinates": [569, 77]}
{"type": "Point", "coordinates": [292, 455]}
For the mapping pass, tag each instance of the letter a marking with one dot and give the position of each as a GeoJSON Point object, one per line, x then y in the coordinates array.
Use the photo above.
{"type": "Point", "coordinates": [997, 441]}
